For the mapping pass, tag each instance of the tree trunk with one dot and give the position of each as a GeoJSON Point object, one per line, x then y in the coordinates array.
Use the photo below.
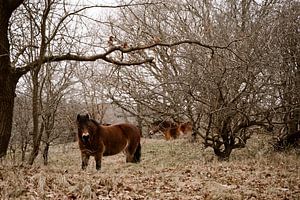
{"type": "Point", "coordinates": [139, 119]}
{"type": "Point", "coordinates": [8, 78]}
{"type": "Point", "coordinates": [224, 147]}
{"type": "Point", "coordinates": [23, 153]}
{"type": "Point", "coordinates": [45, 153]}
{"type": "Point", "coordinates": [36, 144]}
{"type": "Point", "coordinates": [223, 155]}
{"type": "Point", "coordinates": [294, 124]}
{"type": "Point", "coordinates": [49, 124]}
{"type": "Point", "coordinates": [6, 111]}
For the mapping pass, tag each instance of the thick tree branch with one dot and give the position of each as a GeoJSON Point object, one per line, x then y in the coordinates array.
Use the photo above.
{"type": "Point", "coordinates": [14, 4]}
{"type": "Point", "coordinates": [105, 56]}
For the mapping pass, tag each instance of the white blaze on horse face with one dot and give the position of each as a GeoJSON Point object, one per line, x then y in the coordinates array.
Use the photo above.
{"type": "Point", "coordinates": [85, 133]}
{"type": "Point", "coordinates": [181, 133]}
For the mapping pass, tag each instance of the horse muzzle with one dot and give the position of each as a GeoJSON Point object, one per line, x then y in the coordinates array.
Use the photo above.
{"type": "Point", "coordinates": [85, 138]}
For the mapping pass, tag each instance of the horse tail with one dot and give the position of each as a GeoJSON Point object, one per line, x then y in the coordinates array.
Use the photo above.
{"type": "Point", "coordinates": [138, 153]}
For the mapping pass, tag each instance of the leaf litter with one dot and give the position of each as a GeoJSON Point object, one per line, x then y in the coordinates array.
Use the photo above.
{"type": "Point", "coordinates": [169, 170]}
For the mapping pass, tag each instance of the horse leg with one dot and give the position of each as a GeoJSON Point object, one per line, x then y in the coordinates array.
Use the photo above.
{"type": "Point", "coordinates": [129, 154]}
{"type": "Point", "coordinates": [137, 153]}
{"type": "Point", "coordinates": [173, 133]}
{"type": "Point", "coordinates": [129, 157]}
{"type": "Point", "coordinates": [167, 135]}
{"type": "Point", "coordinates": [98, 158]}
{"type": "Point", "coordinates": [130, 150]}
{"type": "Point", "coordinates": [85, 160]}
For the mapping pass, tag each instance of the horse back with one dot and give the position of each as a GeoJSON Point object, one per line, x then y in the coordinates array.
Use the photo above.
{"type": "Point", "coordinates": [116, 137]}
{"type": "Point", "coordinates": [122, 129]}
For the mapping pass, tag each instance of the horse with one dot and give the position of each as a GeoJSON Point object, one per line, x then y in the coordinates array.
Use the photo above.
{"type": "Point", "coordinates": [161, 125]}
{"type": "Point", "coordinates": [185, 129]}
{"type": "Point", "coordinates": [99, 140]}
{"type": "Point", "coordinates": [170, 129]}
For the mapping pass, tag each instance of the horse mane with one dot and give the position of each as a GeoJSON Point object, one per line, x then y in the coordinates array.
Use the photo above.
{"type": "Point", "coordinates": [95, 122]}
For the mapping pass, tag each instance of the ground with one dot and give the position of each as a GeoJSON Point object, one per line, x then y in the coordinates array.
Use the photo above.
{"type": "Point", "coordinates": [174, 169]}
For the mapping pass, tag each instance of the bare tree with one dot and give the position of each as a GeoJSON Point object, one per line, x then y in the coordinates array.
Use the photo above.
{"type": "Point", "coordinates": [22, 124]}
{"type": "Point", "coordinates": [15, 65]}
{"type": "Point", "coordinates": [92, 93]}
{"type": "Point", "coordinates": [286, 39]}
{"type": "Point", "coordinates": [225, 90]}
{"type": "Point", "coordinates": [54, 87]}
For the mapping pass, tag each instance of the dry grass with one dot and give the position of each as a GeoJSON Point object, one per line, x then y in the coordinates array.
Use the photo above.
{"type": "Point", "coordinates": [168, 170]}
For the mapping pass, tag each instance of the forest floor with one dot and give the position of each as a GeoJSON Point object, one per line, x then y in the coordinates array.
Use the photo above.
{"type": "Point", "coordinates": [174, 169]}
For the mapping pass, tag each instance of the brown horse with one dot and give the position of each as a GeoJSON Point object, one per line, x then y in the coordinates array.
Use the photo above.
{"type": "Point", "coordinates": [171, 129]}
{"type": "Point", "coordinates": [98, 140]}
{"type": "Point", "coordinates": [185, 129]}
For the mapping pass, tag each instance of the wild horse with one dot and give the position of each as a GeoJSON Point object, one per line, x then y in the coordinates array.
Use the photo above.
{"type": "Point", "coordinates": [171, 129]}
{"type": "Point", "coordinates": [98, 140]}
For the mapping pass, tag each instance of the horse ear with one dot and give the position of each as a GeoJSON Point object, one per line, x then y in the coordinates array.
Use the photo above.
{"type": "Point", "coordinates": [78, 117]}
{"type": "Point", "coordinates": [87, 116]}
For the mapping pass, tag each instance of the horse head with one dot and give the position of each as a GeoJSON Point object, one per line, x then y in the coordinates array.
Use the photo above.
{"type": "Point", "coordinates": [86, 127]}
{"type": "Point", "coordinates": [185, 128]}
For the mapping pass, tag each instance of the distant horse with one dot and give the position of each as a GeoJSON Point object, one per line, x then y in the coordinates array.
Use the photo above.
{"type": "Point", "coordinates": [98, 140]}
{"type": "Point", "coordinates": [185, 129]}
{"type": "Point", "coordinates": [171, 129]}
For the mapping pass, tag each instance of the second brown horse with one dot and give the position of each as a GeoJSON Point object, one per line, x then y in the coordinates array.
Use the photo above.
{"type": "Point", "coordinates": [170, 129]}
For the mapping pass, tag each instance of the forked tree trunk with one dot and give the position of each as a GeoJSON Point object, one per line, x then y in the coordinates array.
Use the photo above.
{"type": "Point", "coordinates": [224, 147]}
{"type": "Point", "coordinates": [36, 145]}
{"type": "Point", "coordinates": [223, 154]}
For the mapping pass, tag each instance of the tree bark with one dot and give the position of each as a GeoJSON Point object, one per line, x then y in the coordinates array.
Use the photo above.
{"type": "Point", "coordinates": [36, 142]}
{"type": "Point", "coordinates": [6, 111]}
{"type": "Point", "coordinates": [8, 77]}
{"type": "Point", "coordinates": [45, 153]}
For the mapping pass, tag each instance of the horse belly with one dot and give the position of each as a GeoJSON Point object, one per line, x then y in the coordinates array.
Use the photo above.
{"type": "Point", "coordinates": [114, 148]}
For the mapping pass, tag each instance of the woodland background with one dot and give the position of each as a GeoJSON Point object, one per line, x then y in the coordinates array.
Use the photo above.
{"type": "Point", "coordinates": [230, 67]}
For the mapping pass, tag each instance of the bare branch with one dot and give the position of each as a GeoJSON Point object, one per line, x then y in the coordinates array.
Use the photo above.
{"type": "Point", "coordinates": [21, 52]}
{"type": "Point", "coordinates": [104, 56]}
